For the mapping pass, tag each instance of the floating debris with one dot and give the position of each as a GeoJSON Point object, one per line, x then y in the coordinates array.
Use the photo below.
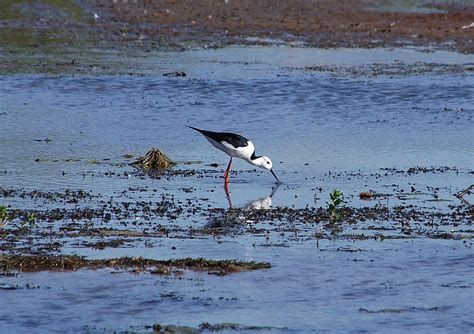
{"type": "Point", "coordinates": [206, 327]}
{"type": "Point", "coordinates": [401, 310]}
{"type": "Point", "coordinates": [46, 140]}
{"type": "Point", "coordinates": [154, 159]}
{"type": "Point", "coordinates": [365, 195]}
{"type": "Point", "coordinates": [467, 26]}
{"type": "Point", "coordinates": [461, 194]}
{"type": "Point", "coordinates": [174, 74]}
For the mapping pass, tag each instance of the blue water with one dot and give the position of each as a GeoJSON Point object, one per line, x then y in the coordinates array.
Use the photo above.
{"type": "Point", "coordinates": [322, 130]}
{"type": "Point", "coordinates": [410, 286]}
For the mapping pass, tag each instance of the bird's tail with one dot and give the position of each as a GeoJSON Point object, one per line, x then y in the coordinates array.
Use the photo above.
{"type": "Point", "coordinates": [192, 127]}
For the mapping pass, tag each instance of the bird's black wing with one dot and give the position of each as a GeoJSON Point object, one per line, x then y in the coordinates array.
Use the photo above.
{"type": "Point", "coordinates": [231, 138]}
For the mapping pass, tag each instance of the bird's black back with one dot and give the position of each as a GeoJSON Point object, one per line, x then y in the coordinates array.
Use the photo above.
{"type": "Point", "coordinates": [228, 137]}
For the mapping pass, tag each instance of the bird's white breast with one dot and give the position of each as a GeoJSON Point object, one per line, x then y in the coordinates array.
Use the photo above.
{"type": "Point", "coordinates": [239, 152]}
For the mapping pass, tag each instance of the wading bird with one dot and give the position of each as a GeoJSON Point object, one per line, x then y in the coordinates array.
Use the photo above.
{"type": "Point", "coordinates": [236, 146]}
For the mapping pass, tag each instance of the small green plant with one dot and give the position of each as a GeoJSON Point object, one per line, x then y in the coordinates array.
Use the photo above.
{"type": "Point", "coordinates": [27, 223]}
{"type": "Point", "coordinates": [124, 29]}
{"type": "Point", "coordinates": [30, 219]}
{"type": "Point", "coordinates": [3, 214]}
{"type": "Point", "coordinates": [336, 201]}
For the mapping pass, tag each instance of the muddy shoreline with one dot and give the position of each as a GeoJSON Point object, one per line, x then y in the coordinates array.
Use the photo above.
{"type": "Point", "coordinates": [323, 24]}
{"type": "Point", "coordinates": [217, 23]}
{"type": "Point", "coordinates": [74, 38]}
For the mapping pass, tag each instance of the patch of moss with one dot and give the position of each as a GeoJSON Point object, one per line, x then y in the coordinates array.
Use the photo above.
{"type": "Point", "coordinates": [11, 9]}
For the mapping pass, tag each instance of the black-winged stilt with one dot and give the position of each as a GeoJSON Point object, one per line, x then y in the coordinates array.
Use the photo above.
{"type": "Point", "coordinates": [236, 146]}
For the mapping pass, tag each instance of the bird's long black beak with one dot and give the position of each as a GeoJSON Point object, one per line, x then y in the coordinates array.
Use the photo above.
{"type": "Point", "coordinates": [273, 173]}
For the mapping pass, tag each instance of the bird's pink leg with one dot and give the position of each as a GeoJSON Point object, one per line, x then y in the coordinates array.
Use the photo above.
{"type": "Point", "coordinates": [226, 174]}
{"type": "Point", "coordinates": [227, 193]}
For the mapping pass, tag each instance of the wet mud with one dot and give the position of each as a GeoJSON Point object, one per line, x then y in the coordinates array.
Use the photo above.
{"type": "Point", "coordinates": [312, 23]}
{"type": "Point", "coordinates": [55, 38]}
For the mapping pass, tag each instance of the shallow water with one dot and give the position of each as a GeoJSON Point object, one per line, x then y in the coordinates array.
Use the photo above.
{"type": "Point", "coordinates": [393, 286]}
{"type": "Point", "coordinates": [309, 122]}
{"type": "Point", "coordinates": [322, 128]}
{"type": "Point", "coordinates": [416, 6]}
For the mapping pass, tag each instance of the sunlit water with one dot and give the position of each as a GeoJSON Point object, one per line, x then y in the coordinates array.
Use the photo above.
{"type": "Point", "coordinates": [310, 124]}
{"type": "Point", "coordinates": [401, 286]}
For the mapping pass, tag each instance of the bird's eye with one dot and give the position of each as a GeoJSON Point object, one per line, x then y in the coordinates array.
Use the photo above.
{"type": "Point", "coordinates": [268, 162]}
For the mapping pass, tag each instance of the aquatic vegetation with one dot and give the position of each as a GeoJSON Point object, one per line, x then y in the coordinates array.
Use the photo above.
{"type": "Point", "coordinates": [206, 327]}
{"type": "Point", "coordinates": [154, 159]}
{"type": "Point", "coordinates": [30, 219]}
{"type": "Point", "coordinates": [333, 206]}
{"type": "Point", "coordinates": [3, 215]}
{"type": "Point", "coordinates": [27, 223]}
{"type": "Point", "coordinates": [136, 264]}
{"type": "Point", "coordinates": [124, 29]}
{"type": "Point", "coordinates": [16, 9]}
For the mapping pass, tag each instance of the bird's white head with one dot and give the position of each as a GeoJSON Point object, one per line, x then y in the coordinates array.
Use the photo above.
{"type": "Point", "coordinates": [265, 163]}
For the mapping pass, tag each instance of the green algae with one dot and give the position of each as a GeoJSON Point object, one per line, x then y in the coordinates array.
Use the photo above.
{"type": "Point", "coordinates": [12, 9]}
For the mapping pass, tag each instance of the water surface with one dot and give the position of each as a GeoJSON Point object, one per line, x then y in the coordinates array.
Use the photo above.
{"type": "Point", "coordinates": [323, 129]}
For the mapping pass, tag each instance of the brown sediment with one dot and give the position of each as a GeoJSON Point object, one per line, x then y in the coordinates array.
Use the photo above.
{"type": "Point", "coordinates": [72, 262]}
{"type": "Point", "coordinates": [355, 23]}
{"type": "Point", "coordinates": [175, 25]}
{"type": "Point", "coordinates": [43, 37]}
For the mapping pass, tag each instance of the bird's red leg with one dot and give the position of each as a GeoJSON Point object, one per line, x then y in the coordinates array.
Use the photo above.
{"type": "Point", "coordinates": [226, 174]}
{"type": "Point", "coordinates": [228, 196]}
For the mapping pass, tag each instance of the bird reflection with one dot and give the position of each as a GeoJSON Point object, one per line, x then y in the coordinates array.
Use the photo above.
{"type": "Point", "coordinates": [233, 218]}
{"type": "Point", "coordinates": [262, 202]}
{"type": "Point", "coordinates": [256, 204]}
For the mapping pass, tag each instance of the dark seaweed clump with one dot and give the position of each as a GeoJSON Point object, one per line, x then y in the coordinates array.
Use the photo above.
{"type": "Point", "coordinates": [73, 262]}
